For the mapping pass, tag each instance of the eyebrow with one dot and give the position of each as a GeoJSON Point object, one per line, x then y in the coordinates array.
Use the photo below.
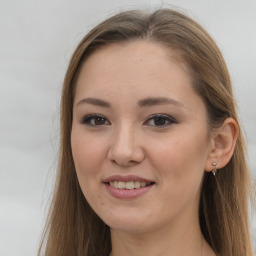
{"type": "Point", "coordinates": [158, 101]}
{"type": "Point", "coordinates": [151, 101]}
{"type": "Point", "coordinates": [94, 101]}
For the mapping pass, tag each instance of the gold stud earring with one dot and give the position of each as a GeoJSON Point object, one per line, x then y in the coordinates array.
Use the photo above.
{"type": "Point", "coordinates": [214, 170]}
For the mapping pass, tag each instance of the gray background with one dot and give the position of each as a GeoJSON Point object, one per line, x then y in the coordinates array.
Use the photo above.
{"type": "Point", "coordinates": [36, 41]}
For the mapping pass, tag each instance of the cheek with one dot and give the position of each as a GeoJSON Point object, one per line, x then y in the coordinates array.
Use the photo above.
{"type": "Point", "coordinates": [88, 154]}
{"type": "Point", "coordinates": [181, 158]}
{"type": "Point", "coordinates": [87, 151]}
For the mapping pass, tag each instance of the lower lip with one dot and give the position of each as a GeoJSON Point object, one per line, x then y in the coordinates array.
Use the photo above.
{"type": "Point", "coordinates": [127, 193]}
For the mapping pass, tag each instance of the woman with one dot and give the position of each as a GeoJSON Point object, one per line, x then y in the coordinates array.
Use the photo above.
{"type": "Point", "coordinates": [151, 160]}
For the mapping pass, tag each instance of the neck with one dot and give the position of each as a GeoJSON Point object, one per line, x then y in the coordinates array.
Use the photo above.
{"type": "Point", "coordinates": [177, 239]}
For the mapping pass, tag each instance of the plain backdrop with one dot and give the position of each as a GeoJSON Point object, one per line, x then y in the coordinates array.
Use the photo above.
{"type": "Point", "coordinates": [37, 39]}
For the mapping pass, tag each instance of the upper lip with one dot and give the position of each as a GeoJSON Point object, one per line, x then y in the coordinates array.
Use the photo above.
{"type": "Point", "coordinates": [125, 178]}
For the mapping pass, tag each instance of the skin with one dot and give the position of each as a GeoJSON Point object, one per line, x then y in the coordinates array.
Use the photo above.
{"type": "Point", "coordinates": [175, 156]}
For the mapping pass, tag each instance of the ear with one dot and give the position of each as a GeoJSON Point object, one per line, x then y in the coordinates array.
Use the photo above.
{"type": "Point", "coordinates": [223, 141]}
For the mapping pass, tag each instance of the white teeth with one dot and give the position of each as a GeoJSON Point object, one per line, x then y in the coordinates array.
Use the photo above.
{"type": "Point", "coordinates": [121, 184]}
{"type": "Point", "coordinates": [137, 184]}
{"type": "Point", "coordinates": [128, 185]}
{"type": "Point", "coordinates": [143, 184]}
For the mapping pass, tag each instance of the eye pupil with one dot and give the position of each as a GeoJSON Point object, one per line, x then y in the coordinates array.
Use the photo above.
{"type": "Point", "coordinates": [160, 121]}
{"type": "Point", "coordinates": [99, 120]}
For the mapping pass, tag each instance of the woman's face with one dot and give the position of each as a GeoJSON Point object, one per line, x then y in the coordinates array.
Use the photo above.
{"type": "Point", "coordinates": [139, 138]}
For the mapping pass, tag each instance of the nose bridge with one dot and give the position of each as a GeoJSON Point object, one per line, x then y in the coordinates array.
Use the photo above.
{"type": "Point", "coordinates": [124, 133]}
{"type": "Point", "coordinates": [125, 147]}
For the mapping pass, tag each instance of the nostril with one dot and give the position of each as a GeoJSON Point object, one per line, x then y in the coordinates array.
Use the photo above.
{"type": "Point", "coordinates": [124, 162]}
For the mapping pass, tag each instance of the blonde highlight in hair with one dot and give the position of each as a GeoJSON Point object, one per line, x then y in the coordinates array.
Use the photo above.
{"type": "Point", "coordinates": [73, 228]}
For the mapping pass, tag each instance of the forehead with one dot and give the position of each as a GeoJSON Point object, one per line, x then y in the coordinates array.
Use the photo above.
{"type": "Point", "coordinates": [140, 52]}
{"type": "Point", "coordinates": [132, 65]}
{"type": "Point", "coordinates": [125, 74]}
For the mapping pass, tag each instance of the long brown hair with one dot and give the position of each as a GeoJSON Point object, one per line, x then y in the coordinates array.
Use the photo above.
{"type": "Point", "coordinates": [73, 228]}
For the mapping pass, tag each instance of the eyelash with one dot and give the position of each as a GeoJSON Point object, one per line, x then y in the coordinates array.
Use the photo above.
{"type": "Point", "coordinates": [87, 119]}
{"type": "Point", "coordinates": [166, 118]}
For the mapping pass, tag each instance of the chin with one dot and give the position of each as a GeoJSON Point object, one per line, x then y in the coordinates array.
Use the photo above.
{"type": "Point", "coordinates": [129, 223]}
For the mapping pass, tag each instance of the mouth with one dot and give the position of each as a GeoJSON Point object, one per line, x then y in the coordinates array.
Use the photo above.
{"type": "Point", "coordinates": [129, 184]}
{"type": "Point", "coordinates": [128, 187]}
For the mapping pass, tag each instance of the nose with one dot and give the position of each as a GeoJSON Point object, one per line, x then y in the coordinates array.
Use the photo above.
{"type": "Point", "coordinates": [125, 149]}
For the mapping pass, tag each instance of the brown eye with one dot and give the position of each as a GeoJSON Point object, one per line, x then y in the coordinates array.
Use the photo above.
{"type": "Point", "coordinates": [160, 120]}
{"type": "Point", "coordinates": [95, 120]}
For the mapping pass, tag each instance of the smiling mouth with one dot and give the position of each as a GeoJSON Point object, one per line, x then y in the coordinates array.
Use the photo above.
{"type": "Point", "coordinates": [129, 184]}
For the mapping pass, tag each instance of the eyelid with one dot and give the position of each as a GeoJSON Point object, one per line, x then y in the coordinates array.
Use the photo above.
{"type": "Point", "coordinates": [161, 115]}
{"type": "Point", "coordinates": [85, 120]}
